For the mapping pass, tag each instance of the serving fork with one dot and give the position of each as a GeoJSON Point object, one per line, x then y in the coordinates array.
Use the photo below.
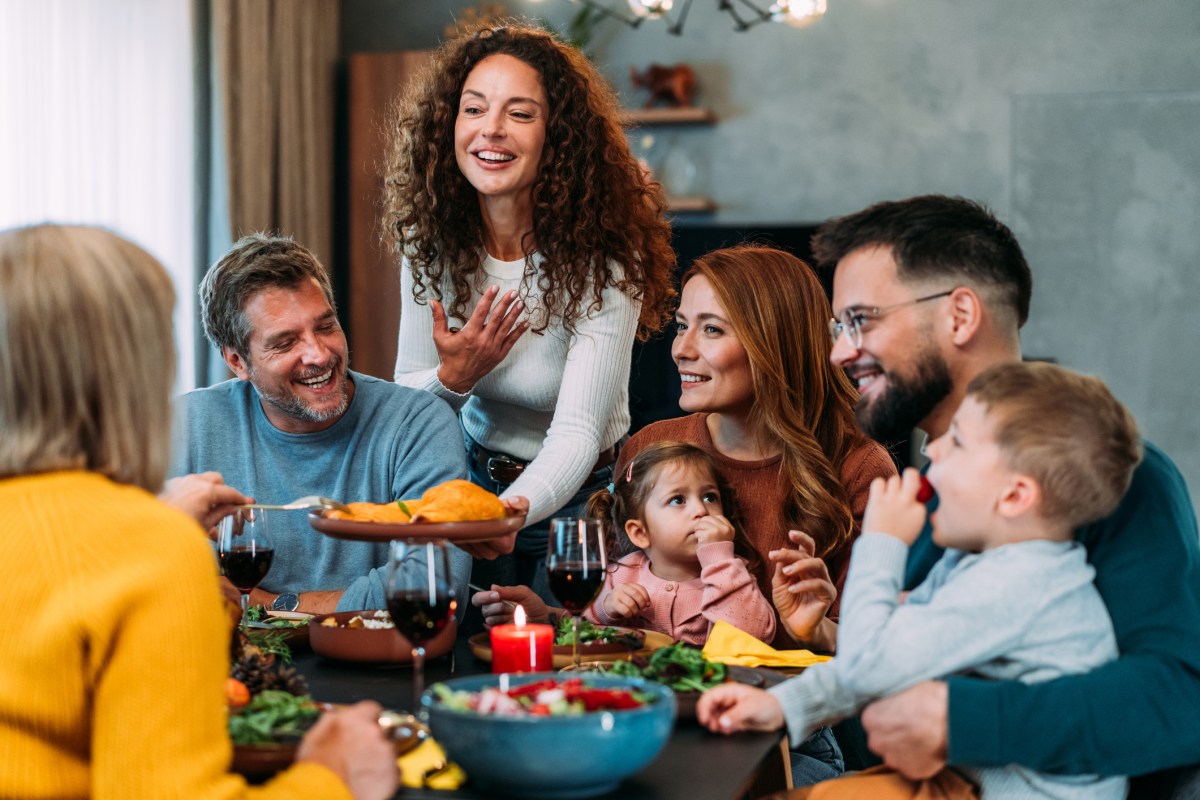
{"type": "Point", "coordinates": [311, 501]}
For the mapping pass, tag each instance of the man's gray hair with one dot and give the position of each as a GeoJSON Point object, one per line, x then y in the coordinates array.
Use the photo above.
{"type": "Point", "coordinates": [257, 261]}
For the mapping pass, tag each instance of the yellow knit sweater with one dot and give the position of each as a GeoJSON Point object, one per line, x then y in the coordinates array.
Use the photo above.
{"type": "Point", "coordinates": [114, 650]}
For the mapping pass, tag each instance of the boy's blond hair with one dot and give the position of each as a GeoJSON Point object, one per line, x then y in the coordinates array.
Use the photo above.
{"type": "Point", "coordinates": [1066, 431]}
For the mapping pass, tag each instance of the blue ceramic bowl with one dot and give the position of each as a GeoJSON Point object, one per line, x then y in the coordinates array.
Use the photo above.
{"type": "Point", "coordinates": [553, 757]}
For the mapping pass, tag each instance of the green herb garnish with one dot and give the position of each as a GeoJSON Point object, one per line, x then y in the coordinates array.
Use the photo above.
{"type": "Point", "coordinates": [272, 640]}
{"type": "Point", "coordinates": [590, 632]}
{"type": "Point", "coordinates": [273, 716]}
{"type": "Point", "coordinates": [679, 666]}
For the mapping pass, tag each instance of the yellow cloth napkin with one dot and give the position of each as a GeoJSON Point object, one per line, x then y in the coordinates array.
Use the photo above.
{"type": "Point", "coordinates": [426, 766]}
{"type": "Point", "coordinates": [728, 645]}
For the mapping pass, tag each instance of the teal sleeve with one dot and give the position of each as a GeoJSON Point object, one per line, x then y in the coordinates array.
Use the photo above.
{"type": "Point", "coordinates": [1136, 714]}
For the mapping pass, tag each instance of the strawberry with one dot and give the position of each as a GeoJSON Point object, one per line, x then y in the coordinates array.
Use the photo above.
{"type": "Point", "coordinates": [925, 493]}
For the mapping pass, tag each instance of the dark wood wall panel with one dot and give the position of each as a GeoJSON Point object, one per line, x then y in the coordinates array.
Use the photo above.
{"type": "Point", "coordinates": [373, 286]}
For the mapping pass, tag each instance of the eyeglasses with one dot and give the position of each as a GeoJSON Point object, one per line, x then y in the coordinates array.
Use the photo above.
{"type": "Point", "coordinates": [855, 320]}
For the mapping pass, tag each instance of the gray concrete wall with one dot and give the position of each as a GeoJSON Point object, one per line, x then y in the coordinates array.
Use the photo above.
{"type": "Point", "coordinates": [1078, 121]}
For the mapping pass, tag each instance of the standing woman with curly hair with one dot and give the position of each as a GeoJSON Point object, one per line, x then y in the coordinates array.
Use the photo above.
{"type": "Point", "coordinates": [533, 251]}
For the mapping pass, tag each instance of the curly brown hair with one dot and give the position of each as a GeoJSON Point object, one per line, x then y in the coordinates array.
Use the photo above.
{"type": "Point", "coordinates": [592, 204]}
{"type": "Point", "coordinates": [780, 314]}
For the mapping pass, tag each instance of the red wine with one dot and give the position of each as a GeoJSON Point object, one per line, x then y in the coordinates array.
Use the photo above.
{"type": "Point", "coordinates": [576, 583]}
{"type": "Point", "coordinates": [416, 617]}
{"type": "Point", "coordinates": [245, 566]}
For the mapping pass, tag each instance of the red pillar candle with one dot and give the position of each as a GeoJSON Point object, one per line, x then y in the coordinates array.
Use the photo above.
{"type": "Point", "coordinates": [522, 648]}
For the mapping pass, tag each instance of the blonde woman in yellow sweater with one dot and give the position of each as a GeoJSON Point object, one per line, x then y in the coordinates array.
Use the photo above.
{"type": "Point", "coordinates": [114, 652]}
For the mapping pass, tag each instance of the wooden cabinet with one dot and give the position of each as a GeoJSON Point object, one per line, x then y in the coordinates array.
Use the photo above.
{"type": "Point", "coordinates": [373, 277]}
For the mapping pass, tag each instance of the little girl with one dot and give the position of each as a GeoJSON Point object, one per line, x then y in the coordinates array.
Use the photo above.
{"type": "Point", "coordinates": [680, 565]}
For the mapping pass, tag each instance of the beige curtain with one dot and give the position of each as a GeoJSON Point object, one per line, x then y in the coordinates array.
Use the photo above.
{"type": "Point", "coordinates": [276, 63]}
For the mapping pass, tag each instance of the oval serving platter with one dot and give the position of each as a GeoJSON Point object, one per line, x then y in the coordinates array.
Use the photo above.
{"type": "Point", "coordinates": [455, 532]}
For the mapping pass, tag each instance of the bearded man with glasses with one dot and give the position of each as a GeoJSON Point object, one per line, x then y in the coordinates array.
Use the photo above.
{"type": "Point", "coordinates": [928, 293]}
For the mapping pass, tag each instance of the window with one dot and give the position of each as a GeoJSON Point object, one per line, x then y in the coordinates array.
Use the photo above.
{"type": "Point", "coordinates": [96, 103]}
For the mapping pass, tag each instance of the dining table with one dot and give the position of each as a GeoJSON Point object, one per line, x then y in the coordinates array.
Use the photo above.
{"type": "Point", "coordinates": [694, 764]}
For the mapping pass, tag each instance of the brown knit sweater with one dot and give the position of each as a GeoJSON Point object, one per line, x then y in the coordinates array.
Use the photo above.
{"type": "Point", "coordinates": [757, 487]}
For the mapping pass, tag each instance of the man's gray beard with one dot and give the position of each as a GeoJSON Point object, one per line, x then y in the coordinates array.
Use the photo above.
{"type": "Point", "coordinates": [907, 402]}
{"type": "Point", "coordinates": [296, 408]}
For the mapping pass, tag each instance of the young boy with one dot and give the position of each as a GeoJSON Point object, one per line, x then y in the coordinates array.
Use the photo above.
{"type": "Point", "coordinates": [1033, 452]}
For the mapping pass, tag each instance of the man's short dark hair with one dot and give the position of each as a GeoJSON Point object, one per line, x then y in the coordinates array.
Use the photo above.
{"type": "Point", "coordinates": [257, 261]}
{"type": "Point", "coordinates": [935, 236]}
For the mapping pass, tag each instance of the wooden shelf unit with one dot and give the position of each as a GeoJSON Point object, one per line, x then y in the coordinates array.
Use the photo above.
{"type": "Point", "coordinates": [668, 116]}
{"type": "Point", "coordinates": [691, 203]}
{"type": "Point", "coordinates": [636, 117]}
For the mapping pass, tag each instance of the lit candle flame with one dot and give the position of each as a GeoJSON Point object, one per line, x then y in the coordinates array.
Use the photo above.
{"type": "Point", "coordinates": [519, 616]}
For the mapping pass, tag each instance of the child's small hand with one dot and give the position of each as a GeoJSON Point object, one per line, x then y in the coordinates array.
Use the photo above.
{"type": "Point", "coordinates": [626, 600]}
{"type": "Point", "coordinates": [713, 528]}
{"type": "Point", "coordinates": [893, 507]}
{"type": "Point", "coordinates": [733, 707]}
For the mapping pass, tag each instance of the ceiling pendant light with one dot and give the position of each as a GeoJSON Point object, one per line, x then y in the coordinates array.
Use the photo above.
{"type": "Point", "coordinates": [797, 13]}
{"type": "Point", "coordinates": [745, 13]}
{"type": "Point", "coordinates": [650, 9]}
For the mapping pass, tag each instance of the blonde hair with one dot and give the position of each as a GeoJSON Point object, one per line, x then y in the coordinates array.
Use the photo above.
{"type": "Point", "coordinates": [87, 355]}
{"type": "Point", "coordinates": [1067, 432]}
{"type": "Point", "coordinates": [627, 497]}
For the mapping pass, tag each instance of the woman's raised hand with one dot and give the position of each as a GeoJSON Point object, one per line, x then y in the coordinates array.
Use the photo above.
{"type": "Point", "coordinates": [470, 353]}
{"type": "Point", "coordinates": [803, 593]}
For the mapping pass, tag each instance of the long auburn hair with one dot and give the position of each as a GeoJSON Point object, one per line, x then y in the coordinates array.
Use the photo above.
{"type": "Point", "coordinates": [592, 205]}
{"type": "Point", "coordinates": [780, 315]}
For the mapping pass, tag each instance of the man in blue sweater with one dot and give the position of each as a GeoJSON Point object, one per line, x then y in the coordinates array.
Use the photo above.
{"type": "Point", "coordinates": [296, 421]}
{"type": "Point", "coordinates": [928, 293]}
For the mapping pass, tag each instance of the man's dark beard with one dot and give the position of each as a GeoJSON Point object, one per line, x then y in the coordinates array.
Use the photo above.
{"type": "Point", "coordinates": [891, 417]}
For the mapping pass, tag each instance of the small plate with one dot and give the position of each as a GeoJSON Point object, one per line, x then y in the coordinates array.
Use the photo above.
{"type": "Point", "coordinates": [634, 640]}
{"type": "Point", "coordinates": [481, 646]}
{"type": "Point", "coordinates": [455, 532]}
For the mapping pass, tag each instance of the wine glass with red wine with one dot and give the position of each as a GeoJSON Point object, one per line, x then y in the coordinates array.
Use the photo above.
{"type": "Point", "coordinates": [420, 598]}
{"type": "Point", "coordinates": [576, 562]}
{"type": "Point", "coordinates": [244, 551]}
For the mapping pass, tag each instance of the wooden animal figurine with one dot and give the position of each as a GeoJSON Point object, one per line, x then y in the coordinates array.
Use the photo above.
{"type": "Point", "coordinates": [672, 85]}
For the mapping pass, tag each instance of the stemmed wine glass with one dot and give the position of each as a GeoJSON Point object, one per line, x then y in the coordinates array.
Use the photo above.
{"type": "Point", "coordinates": [575, 565]}
{"type": "Point", "coordinates": [244, 551]}
{"type": "Point", "coordinates": [420, 598]}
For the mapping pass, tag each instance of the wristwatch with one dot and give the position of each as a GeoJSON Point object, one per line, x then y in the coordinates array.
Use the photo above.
{"type": "Point", "coordinates": [288, 601]}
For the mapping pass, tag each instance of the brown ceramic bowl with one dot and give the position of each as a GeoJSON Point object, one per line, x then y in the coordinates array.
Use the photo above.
{"type": "Point", "coordinates": [370, 645]}
{"type": "Point", "coordinates": [262, 760]}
